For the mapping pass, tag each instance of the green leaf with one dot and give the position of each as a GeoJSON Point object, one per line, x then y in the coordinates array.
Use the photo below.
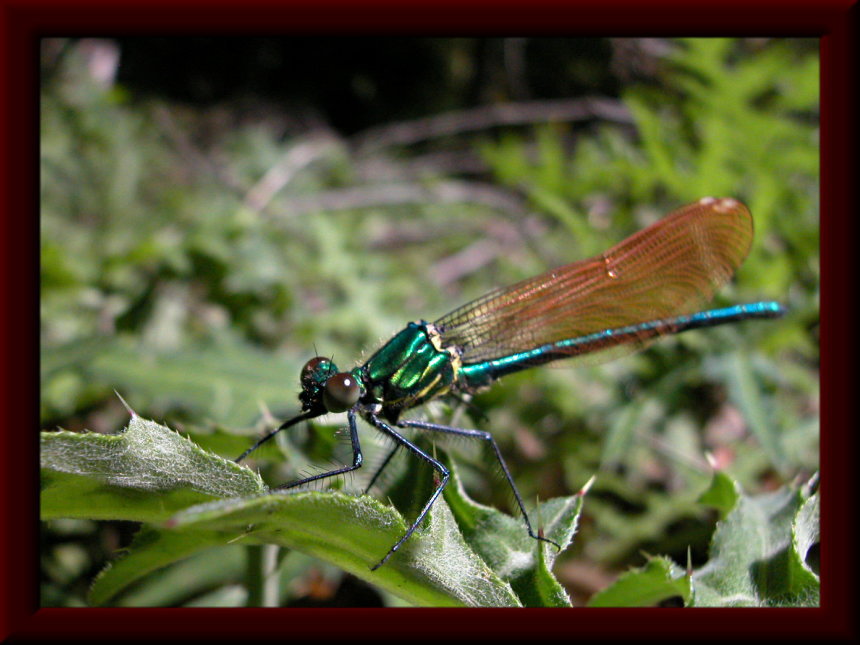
{"type": "Point", "coordinates": [143, 474]}
{"type": "Point", "coordinates": [435, 567]}
{"type": "Point", "coordinates": [722, 494]}
{"type": "Point", "coordinates": [658, 580]}
{"type": "Point", "coordinates": [758, 556]}
{"type": "Point", "coordinates": [151, 474]}
{"type": "Point", "coordinates": [504, 544]}
{"type": "Point", "coordinates": [805, 535]}
{"type": "Point", "coordinates": [151, 550]}
{"type": "Point", "coordinates": [758, 553]}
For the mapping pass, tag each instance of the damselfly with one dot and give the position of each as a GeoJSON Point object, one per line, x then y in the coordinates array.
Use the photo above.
{"type": "Point", "coordinates": [651, 284]}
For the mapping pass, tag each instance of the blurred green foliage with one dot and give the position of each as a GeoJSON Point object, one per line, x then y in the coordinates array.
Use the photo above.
{"type": "Point", "coordinates": [194, 260]}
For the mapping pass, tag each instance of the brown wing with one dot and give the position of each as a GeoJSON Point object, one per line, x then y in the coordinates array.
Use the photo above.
{"type": "Point", "coordinates": [672, 267]}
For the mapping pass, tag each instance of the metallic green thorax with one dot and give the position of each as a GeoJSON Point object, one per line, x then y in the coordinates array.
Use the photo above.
{"type": "Point", "coordinates": [410, 369]}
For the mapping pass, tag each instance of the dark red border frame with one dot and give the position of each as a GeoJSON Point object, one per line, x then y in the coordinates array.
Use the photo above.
{"type": "Point", "coordinates": [22, 23]}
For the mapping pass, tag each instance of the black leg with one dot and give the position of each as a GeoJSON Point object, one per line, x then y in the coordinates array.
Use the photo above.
{"type": "Point", "coordinates": [283, 426]}
{"type": "Point", "coordinates": [356, 458]}
{"type": "Point", "coordinates": [380, 425]}
{"type": "Point", "coordinates": [485, 436]}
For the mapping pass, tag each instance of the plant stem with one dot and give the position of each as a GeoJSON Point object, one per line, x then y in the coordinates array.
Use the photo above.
{"type": "Point", "coordinates": [261, 576]}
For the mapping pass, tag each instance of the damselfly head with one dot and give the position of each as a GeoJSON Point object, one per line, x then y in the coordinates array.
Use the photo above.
{"type": "Point", "coordinates": [324, 389]}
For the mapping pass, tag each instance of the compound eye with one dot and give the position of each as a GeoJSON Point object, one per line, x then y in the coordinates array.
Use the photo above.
{"type": "Point", "coordinates": [341, 392]}
{"type": "Point", "coordinates": [313, 367]}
